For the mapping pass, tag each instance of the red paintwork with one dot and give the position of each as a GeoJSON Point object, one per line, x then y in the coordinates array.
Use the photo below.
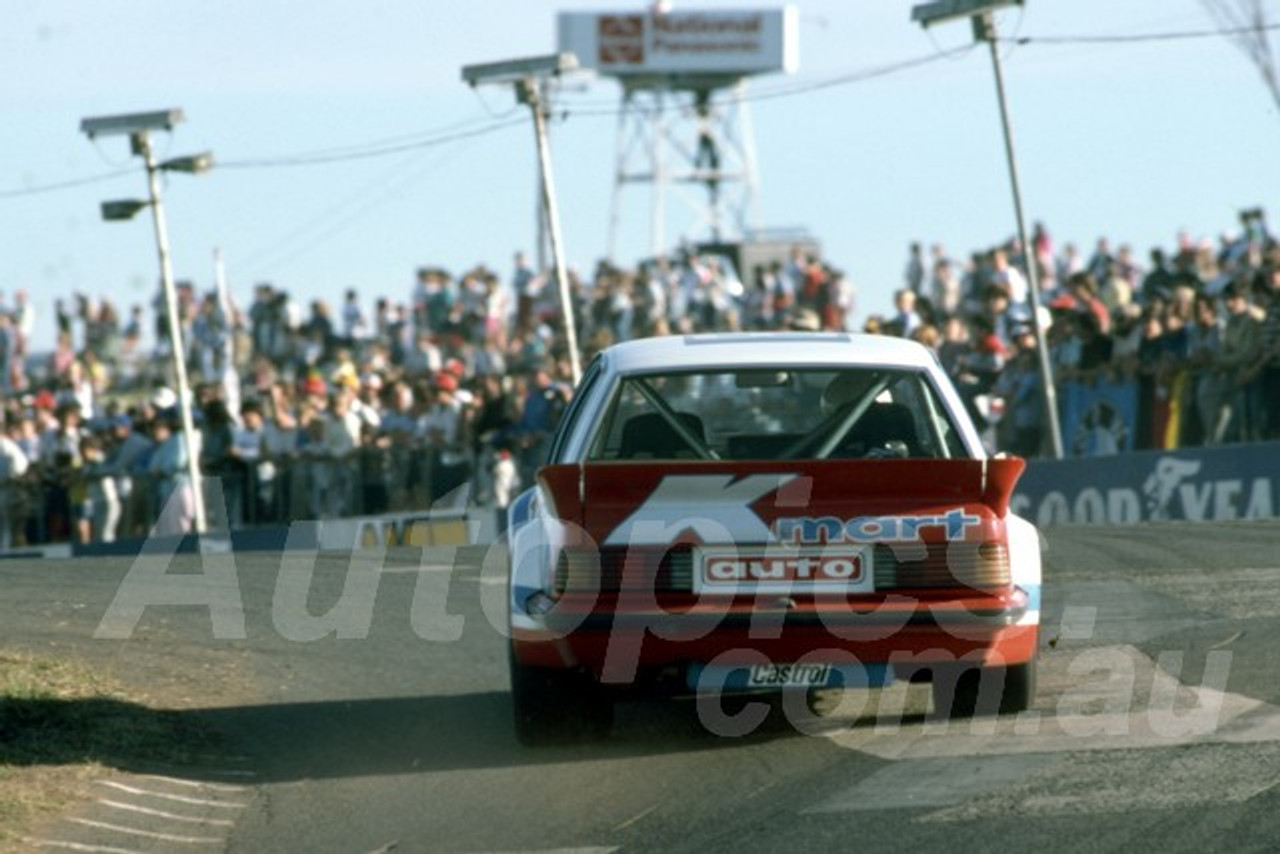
{"type": "Point", "coordinates": [671, 628]}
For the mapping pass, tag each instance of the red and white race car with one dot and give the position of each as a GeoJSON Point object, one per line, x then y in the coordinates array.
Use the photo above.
{"type": "Point", "coordinates": [747, 512]}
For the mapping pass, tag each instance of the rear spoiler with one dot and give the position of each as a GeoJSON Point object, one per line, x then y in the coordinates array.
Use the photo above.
{"type": "Point", "coordinates": [601, 496]}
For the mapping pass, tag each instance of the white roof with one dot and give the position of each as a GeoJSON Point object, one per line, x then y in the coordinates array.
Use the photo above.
{"type": "Point", "coordinates": [765, 350]}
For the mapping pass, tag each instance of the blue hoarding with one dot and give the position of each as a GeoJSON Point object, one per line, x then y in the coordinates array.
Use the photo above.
{"type": "Point", "coordinates": [1193, 484]}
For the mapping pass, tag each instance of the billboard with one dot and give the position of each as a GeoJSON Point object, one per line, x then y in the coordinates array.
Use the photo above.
{"type": "Point", "coordinates": [721, 42]}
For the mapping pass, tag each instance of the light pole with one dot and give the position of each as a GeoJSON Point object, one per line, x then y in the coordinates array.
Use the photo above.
{"type": "Point", "coordinates": [980, 14]}
{"type": "Point", "coordinates": [138, 126]}
{"type": "Point", "coordinates": [528, 75]}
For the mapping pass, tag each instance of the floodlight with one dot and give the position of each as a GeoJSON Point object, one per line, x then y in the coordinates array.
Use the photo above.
{"type": "Point", "coordinates": [945, 10]}
{"type": "Point", "coordinates": [122, 209]}
{"type": "Point", "coordinates": [525, 75]}
{"type": "Point", "coordinates": [515, 70]}
{"type": "Point", "coordinates": [194, 164]}
{"type": "Point", "coordinates": [131, 122]}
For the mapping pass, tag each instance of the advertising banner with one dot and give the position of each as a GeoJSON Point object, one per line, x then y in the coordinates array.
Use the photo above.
{"type": "Point", "coordinates": [1098, 418]}
{"type": "Point", "coordinates": [1194, 484]}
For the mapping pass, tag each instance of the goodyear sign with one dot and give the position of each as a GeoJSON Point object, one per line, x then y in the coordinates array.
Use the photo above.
{"type": "Point", "coordinates": [1194, 484]}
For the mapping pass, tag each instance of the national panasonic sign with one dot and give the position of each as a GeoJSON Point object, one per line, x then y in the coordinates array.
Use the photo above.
{"type": "Point", "coordinates": [1202, 484]}
{"type": "Point", "coordinates": [719, 42]}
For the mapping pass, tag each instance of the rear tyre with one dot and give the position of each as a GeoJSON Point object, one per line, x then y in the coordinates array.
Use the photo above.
{"type": "Point", "coordinates": [556, 706]}
{"type": "Point", "coordinates": [962, 693]}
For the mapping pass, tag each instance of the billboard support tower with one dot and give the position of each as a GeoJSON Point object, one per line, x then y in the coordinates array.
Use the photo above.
{"type": "Point", "coordinates": [684, 125]}
{"type": "Point", "coordinates": [693, 147]}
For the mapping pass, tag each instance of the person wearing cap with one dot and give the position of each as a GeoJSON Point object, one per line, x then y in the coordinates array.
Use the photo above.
{"type": "Point", "coordinates": [344, 371]}
{"type": "Point", "coordinates": [164, 398]}
{"type": "Point", "coordinates": [441, 430]}
{"type": "Point", "coordinates": [315, 389]}
{"type": "Point", "coordinates": [45, 401]}
{"type": "Point", "coordinates": [128, 457]}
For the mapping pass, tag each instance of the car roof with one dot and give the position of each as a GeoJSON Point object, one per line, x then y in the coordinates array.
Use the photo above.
{"type": "Point", "coordinates": [766, 350]}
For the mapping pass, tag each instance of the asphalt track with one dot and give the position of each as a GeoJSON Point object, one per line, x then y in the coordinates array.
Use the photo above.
{"type": "Point", "coordinates": [1157, 725]}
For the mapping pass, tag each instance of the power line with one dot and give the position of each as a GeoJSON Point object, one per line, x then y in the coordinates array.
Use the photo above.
{"type": "Point", "coordinates": [65, 185]}
{"type": "Point", "coordinates": [364, 153]}
{"type": "Point", "coordinates": [382, 148]}
{"type": "Point", "coordinates": [856, 76]}
{"type": "Point", "coordinates": [398, 145]}
{"type": "Point", "coordinates": [1130, 38]}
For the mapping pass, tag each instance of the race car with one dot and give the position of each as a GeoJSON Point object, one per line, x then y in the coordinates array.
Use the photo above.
{"type": "Point", "coordinates": [747, 512]}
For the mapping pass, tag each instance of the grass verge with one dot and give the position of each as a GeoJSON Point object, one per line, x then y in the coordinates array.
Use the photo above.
{"type": "Point", "coordinates": [63, 725]}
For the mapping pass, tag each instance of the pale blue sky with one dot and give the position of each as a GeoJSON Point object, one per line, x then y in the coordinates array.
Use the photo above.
{"type": "Point", "coordinates": [1134, 141]}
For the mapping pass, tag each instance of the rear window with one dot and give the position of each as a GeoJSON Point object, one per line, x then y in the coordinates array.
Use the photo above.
{"type": "Point", "coordinates": [806, 413]}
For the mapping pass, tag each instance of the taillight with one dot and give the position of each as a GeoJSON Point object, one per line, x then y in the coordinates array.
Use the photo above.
{"type": "Point", "coordinates": [984, 568]}
{"type": "Point", "coordinates": [981, 566]}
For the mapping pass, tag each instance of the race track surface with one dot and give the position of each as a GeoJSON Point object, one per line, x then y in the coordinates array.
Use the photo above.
{"type": "Point", "coordinates": [384, 724]}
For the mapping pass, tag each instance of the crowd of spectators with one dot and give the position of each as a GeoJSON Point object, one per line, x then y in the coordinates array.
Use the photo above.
{"type": "Point", "coordinates": [451, 394]}
{"type": "Point", "coordinates": [1193, 334]}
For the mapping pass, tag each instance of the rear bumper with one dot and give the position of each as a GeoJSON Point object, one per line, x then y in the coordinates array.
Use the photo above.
{"type": "Point", "coordinates": [624, 646]}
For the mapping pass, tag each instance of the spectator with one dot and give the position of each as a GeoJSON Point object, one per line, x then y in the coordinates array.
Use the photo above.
{"type": "Point", "coordinates": [442, 431]}
{"type": "Point", "coordinates": [279, 468]}
{"type": "Point", "coordinates": [127, 461]}
{"type": "Point", "coordinates": [1008, 277]}
{"type": "Point", "coordinates": [906, 320]}
{"type": "Point", "coordinates": [913, 276]}
{"type": "Point", "coordinates": [355, 326]}
{"type": "Point", "coordinates": [1241, 349]}
{"type": "Point", "coordinates": [13, 469]}
{"type": "Point", "coordinates": [340, 437]}
{"type": "Point", "coordinates": [168, 468]}
{"type": "Point", "coordinates": [1020, 387]}
{"type": "Point", "coordinates": [97, 506]}
{"type": "Point", "coordinates": [1205, 387]}
{"type": "Point", "coordinates": [539, 413]}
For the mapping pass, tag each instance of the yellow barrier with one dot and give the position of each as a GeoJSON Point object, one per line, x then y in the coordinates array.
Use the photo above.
{"type": "Point", "coordinates": [412, 531]}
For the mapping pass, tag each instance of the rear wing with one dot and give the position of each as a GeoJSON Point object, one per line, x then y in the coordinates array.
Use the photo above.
{"type": "Point", "coordinates": [769, 501]}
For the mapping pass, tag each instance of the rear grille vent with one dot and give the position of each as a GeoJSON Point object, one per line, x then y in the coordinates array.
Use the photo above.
{"type": "Point", "coordinates": [610, 570]}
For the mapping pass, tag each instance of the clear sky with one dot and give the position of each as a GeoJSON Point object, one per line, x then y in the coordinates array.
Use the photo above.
{"type": "Point", "coordinates": [1132, 140]}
